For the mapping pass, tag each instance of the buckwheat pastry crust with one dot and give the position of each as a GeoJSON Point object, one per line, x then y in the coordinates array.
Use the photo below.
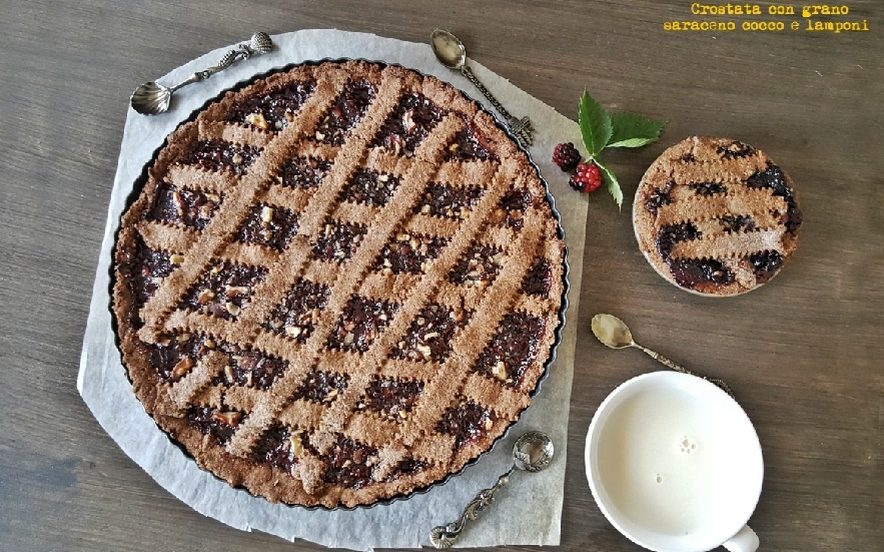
{"type": "Point", "coordinates": [716, 216]}
{"type": "Point", "coordinates": [339, 284]}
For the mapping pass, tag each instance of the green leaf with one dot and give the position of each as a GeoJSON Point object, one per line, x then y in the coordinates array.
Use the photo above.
{"type": "Point", "coordinates": [631, 130]}
{"type": "Point", "coordinates": [612, 184]}
{"type": "Point", "coordinates": [595, 124]}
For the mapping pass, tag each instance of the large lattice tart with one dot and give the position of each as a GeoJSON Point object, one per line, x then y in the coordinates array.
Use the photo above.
{"type": "Point", "coordinates": [716, 216]}
{"type": "Point", "coordinates": [339, 284]}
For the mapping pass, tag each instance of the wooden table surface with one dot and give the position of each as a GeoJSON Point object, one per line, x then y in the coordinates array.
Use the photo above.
{"type": "Point", "coordinates": [802, 353]}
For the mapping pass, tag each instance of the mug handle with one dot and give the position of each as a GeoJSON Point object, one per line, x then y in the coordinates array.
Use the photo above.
{"type": "Point", "coordinates": [744, 541]}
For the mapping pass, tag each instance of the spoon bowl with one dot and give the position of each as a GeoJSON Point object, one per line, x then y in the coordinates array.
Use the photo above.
{"type": "Point", "coordinates": [614, 333]}
{"type": "Point", "coordinates": [151, 98]}
{"type": "Point", "coordinates": [448, 49]}
{"type": "Point", "coordinates": [532, 452]}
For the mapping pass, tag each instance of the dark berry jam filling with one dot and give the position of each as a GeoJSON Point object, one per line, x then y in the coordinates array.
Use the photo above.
{"type": "Point", "coordinates": [513, 205]}
{"type": "Point", "coordinates": [346, 111]}
{"type": "Point", "coordinates": [191, 208]}
{"type": "Point", "coordinates": [409, 466]}
{"type": "Point", "coordinates": [772, 177]}
{"type": "Point", "coordinates": [469, 144]}
{"type": "Point", "coordinates": [480, 266]}
{"type": "Point", "coordinates": [253, 369]}
{"type": "Point", "coordinates": [391, 398]}
{"type": "Point", "coordinates": [225, 289]}
{"type": "Point", "coordinates": [735, 150]}
{"type": "Point", "coordinates": [765, 264]}
{"type": "Point", "coordinates": [217, 155]}
{"type": "Point", "coordinates": [429, 336]}
{"type": "Point", "coordinates": [299, 311]}
{"type": "Point", "coordinates": [447, 201]}
{"type": "Point", "coordinates": [338, 241]}
{"type": "Point", "coordinates": [274, 448]}
{"type": "Point", "coordinates": [793, 216]}
{"type": "Point", "coordinates": [361, 322]}
{"type": "Point", "coordinates": [408, 253]}
{"type": "Point", "coordinates": [696, 273]}
{"type": "Point", "coordinates": [174, 356]}
{"type": "Point", "coordinates": [303, 172]}
{"type": "Point", "coordinates": [466, 422]}
{"type": "Point", "coordinates": [350, 464]}
{"type": "Point", "coordinates": [141, 270]}
{"type": "Point", "coordinates": [688, 158]}
{"type": "Point", "coordinates": [659, 197]}
{"type": "Point", "coordinates": [737, 223]}
{"type": "Point", "coordinates": [274, 110]}
{"type": "Point", "coordinates": [512, 349]}
{"type": "Point", "coordinates": [409, 123]}
{"type": "Point", "coordinates": [370, 187]}
{"type": "Point", "coordinates": [671, 234]}
{"type": "Point", "coordinates": [269, 226]}
{"type": "Point", "coordinates": [321, 387]}
{"type": "Point", "coordinates": [708, 189]}
{"type": "Point", "coordinates": [221, 425]}
{"type": "Point", "coordinates": [538, 280]}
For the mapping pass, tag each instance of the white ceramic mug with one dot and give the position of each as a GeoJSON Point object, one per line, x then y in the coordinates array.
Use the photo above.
{"type": "Point", "coordinates": [675, 464]}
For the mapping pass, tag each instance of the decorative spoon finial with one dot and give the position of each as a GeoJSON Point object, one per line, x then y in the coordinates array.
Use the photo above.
{"type": "Point", "coordinates": [261, 43]}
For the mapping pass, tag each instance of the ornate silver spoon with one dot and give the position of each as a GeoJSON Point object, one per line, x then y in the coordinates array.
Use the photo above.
{"type": "Point", "coordinates": [532, 452]}
{"type": "Point", "coordinates": [152, 98]}
{"type": "Point", "coordinates": [614, 333]}
{"type": "Point", "coordinates": [453, 54]}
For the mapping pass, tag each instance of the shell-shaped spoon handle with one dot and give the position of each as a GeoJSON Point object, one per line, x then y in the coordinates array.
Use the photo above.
{"type": "Point", "coordinates": [261, 43]}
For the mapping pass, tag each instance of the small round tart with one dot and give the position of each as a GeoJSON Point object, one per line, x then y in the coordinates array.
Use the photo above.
{"type": "Point", "coordinates": [715, 216]}
{"type": "Point", "coordinates": [339, 284]}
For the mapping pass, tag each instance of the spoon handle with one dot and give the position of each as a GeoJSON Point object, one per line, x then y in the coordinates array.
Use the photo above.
{"type": "Point", "coordinates": [522, 128]}
{"type": "Point", "coordinates": [224, 63]}
{"type": "Point", "coordinates": [260, 43]}
{"type": "Point", "coordinates": [679, 368]}
{"type": "Point", "coordinates": [444, 536]}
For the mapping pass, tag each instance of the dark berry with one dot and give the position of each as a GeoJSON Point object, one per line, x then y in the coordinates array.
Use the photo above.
{"type": "Point", "coordinates": [566, 156]}
{"type": "Point", "coordinates": [587, 178]}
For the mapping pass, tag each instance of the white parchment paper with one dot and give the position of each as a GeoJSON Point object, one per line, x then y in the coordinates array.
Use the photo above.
{"type": "Point", "coordinates": [527, 512]}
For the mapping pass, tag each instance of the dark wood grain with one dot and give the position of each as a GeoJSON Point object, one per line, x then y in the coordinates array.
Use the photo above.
{"type": "Point", "coordinates": [803, 353]}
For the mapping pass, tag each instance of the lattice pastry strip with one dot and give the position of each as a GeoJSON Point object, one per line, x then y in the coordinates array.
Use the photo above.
{"type": "Point", "coordinates": [159, 236]}
{"type": "Point", "coordinates": [317, 287]}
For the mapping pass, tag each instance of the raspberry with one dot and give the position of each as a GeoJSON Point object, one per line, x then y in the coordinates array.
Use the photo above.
{"type": "Point", "coordinates": [566, 156]}
{"type": "Point", "coordinates": [587, 178]}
